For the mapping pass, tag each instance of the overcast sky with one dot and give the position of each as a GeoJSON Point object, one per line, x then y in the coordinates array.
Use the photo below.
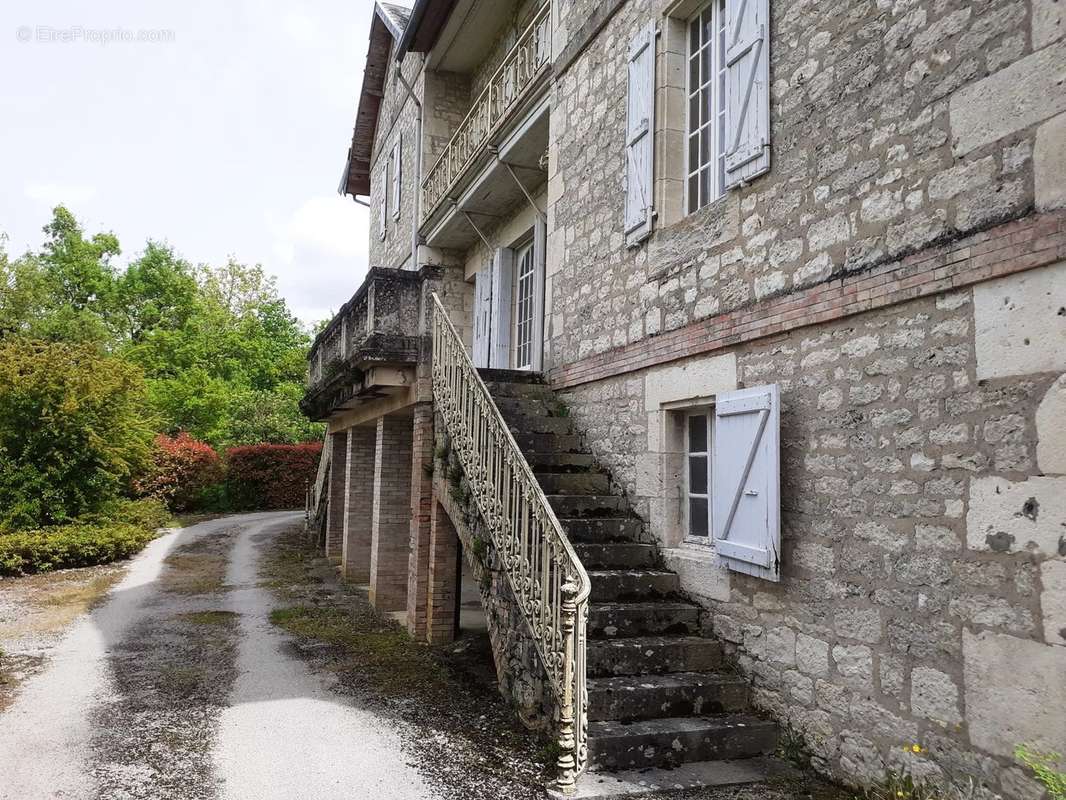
{"type": "Point", "coordinates": [227, 137]}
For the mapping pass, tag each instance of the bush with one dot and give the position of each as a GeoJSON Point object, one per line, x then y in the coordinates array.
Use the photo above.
{"type": "Point", "coordinates": [116, 531]}
{"type": "Point", "coordinates": [73, 430]}
{"type": "Point", "coordinates": [182, 469]}
{"type": "Point", "coordinates": [270, 476]}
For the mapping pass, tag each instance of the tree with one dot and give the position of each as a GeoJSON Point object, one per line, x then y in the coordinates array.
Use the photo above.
{"type": "Point", "coordinates": [157, 291]}
{"type": "Point", "coordinates": [73, 430]}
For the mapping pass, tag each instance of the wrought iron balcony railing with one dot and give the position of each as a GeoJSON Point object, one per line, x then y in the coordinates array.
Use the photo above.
{"type": "Point", "coordinates": [509, 85]}
{"type": "Point", "coordinates": [545, 574]}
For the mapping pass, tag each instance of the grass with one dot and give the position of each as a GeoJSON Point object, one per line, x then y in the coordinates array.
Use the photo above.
{"type": "Point", "coordinates": [388, 658]}
{"type": "Point", "coordinates": [200, 567]}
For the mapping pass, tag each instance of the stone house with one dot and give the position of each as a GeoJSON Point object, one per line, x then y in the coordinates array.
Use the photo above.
{"type": "Point", "coordinates": [768, 304]}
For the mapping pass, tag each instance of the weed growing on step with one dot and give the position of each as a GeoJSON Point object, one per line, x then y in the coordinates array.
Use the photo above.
{"type": "Point", "coordinates": [792, 747]}
{"type": "Point", "coordinates": [1047, 767]}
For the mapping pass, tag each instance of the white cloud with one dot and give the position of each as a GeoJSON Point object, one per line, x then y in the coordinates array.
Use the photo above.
{"type": "Point", "coordinates": [320, 254]}
{"type": "Point", "coordinates": [72, 195]}
{"type": "Point", "coordinates": [300, 26]}
{"type": "Point", "coordinates": [333, 226]}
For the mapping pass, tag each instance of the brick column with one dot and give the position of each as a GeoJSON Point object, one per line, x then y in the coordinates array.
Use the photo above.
{"type": "Point", "coordinates": [442, 610]}
{"type": "Point", "coordinates": [421, 506]}
{"type": "Point", "coordinates": [359, 504]}
{"type": "Point", "coordinates": [338, 480]}
{"type": "Point", "coordinates": [391, 526]}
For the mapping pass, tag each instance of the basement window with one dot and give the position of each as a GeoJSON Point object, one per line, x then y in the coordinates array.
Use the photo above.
{"type": "Point", "coordinates": [699, 443]}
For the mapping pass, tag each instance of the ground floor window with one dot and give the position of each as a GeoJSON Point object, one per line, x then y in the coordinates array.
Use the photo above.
{"type": "Point", "coordinates": [699, 442]}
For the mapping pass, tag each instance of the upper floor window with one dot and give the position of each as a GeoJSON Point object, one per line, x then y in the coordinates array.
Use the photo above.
{"type": "Point", "coordinates": [706, 89]}
{"type": "Point", "coordinates": [396, 177]}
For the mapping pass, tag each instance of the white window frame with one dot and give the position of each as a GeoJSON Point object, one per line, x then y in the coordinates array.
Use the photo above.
{"type": "Point", "coordinates": [717, 122]}
{"type": "Point", "coordinates": [706, 412]}
{"type": "Point", "coordinates": [383, 201]}
{"type": "Point", "coordinates": [397, 177]}
{"type": "Point", "coordinates": [522, 252]}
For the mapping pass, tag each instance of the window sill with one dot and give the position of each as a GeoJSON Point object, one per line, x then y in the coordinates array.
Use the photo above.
{"type": "Point", "coordinates": [699, 570]}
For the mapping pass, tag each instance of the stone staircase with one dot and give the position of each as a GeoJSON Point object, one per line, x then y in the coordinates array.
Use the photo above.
{"type": "Point", "coordinates": [660, 697]}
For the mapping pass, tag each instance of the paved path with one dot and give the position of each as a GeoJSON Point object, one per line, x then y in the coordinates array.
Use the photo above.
{"type": "Point", "coordinates": [178, 686]}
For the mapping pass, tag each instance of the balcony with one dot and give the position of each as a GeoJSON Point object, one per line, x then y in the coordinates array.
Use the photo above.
{"type": "Point", "coordinates": [367, 350]}
{"type": "Point", "coordinates": [509, 91]}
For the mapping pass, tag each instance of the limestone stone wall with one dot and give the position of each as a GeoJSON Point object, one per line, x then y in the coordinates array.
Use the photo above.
{"type": "Point", "coordinates": [397, 121]}
{"type": "Point", "coordinates": [894, 125]}
{"type": "Point", "coordinates": [923, 597]}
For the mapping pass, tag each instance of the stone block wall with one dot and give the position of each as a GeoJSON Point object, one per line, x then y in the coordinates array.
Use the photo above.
{"type": "Point", "coordinates": [895, 125]}
{"type": "Point", "coordinates": [899, 273]}
{"type": "Point", "coordinates": [923, 592]}
{"type": "Point", "coordinates": [397, 121]}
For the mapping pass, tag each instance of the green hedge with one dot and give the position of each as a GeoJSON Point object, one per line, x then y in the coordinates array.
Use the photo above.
{"type": "Point", "coordinates": [118, 531]}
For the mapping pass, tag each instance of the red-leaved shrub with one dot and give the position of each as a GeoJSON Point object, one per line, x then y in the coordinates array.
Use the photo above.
{"type": "Point", "coordinates": [270, 476]}
{"type": "Point", "coordinates": [181, 469]}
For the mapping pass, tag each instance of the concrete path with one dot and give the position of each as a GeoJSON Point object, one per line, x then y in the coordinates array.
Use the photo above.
{"type": "Point", "coordinates": [178, 686]}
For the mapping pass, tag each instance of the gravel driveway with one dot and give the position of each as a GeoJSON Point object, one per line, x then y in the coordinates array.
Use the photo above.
{"type": "Point", "coordinates": [178, 686]}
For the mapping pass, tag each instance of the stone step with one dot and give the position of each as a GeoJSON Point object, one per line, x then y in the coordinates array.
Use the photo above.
{"type": "Point", "coordinates": [603, 529]}
{"type": "Point", "coordinates": [632, 585]}
{"type": "Point", "coordinates": [530, 406]}
{"type": "Point", "coordinates": [510, 376]}
{"type": "Point", "coordinates": [551, 461]}
{"type": "Point", "coordinates": [532, 391]}
{"type": "Point", "coordinates": [675, 694]}
{"type": "Point", "coordinates": [588, 505]}
{"type": "Point", "coordinates": [617, 555]}
{"type": "Point", "coordinates": [623, 620]}
{"type": "Point", "coordinates": [548, 442]}
{"type": "Point", "coordinates": [604, 785]}
{"type": "Point", "coordinates": [573, 482]}
{"type": "Point", "coordinates": [652, 655]}
{"type": "Point", "coordinates": [521, 423]}
{"type": "Point", "coordinates": [678, 740]}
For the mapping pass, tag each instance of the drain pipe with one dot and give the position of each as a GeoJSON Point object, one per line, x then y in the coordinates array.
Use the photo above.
{"type": "Point", "coordinates": [417, 214]}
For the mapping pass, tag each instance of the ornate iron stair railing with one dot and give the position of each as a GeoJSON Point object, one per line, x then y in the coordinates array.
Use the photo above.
{"type": "Point", "coordinates": [548, 580]}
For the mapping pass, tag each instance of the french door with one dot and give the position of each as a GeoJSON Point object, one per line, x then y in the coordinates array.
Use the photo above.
{"type": "Point", "coordinates": [509, 307]}
{"type": "Point", "coordinates": [525, 307]}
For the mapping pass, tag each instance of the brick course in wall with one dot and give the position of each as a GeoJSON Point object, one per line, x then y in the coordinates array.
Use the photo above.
{"type": "Point", "coordinates": [1012, 247]}
{"type": "Point", "coordinates": [359, 503]}
{"type": "Point", "coordinates": [335, 510]}
{"type": "Point", "coordinates": [392, 514]}
{"type": "Point", "coordinates": [421, 504]}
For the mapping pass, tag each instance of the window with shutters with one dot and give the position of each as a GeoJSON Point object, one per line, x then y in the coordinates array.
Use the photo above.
{"type": "Point", "coordinates": [699, 441]}
{"type": "Point", "coordinates": [706, 123]}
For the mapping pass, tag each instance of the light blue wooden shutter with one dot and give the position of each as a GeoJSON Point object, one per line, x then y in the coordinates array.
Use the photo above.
{"type": "Point", "coordinates": [482, 317]}
{"type": "Point", "coordinates": [747, 141]}
{"type": "Point", "coordinates": [746, 515]}
{"type": "Point", "coordinates": [640, 135]}
{"type": "Point", "coordinates": [540, 258]}
{"type": "Point", "coordinates": [500, 330]}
